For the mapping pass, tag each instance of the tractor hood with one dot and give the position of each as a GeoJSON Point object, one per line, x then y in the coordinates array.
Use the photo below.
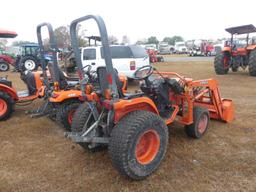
{"type": "Point", "coordinates": [7, 34]}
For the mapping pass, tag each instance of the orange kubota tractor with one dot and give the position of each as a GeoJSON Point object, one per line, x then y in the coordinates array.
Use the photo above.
{"type": "Point", "coordinates": [65, 94]}
{"type": "Point", "coordinates": [237, 52]}
{"type": "Point", "coordinates": [8, 94]}
{"type": "Point", "coordinates": [134, 126]}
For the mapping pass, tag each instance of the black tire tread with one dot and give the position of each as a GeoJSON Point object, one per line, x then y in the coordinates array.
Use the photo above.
{"type": "Point", "coordinates": [218, 64]}
{"type": "Point", "coordinates": [121, 134]}
{"type": "Point", "coordinates": [79, 120]}
{"type": "Point", "coordinates": [29, 57]}
{"type": "Point", "coordinates": [10, 102]}
{"type": "Point", "coordinates": [252, 63]}
{"type": "Point", "coordinates": [191, 129]}
{"type": "Point", "coordinates": [63, 110]}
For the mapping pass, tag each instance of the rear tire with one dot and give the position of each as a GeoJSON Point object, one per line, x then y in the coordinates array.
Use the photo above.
{"type": "Point", "coordinates": [80, 118]}
{"type": "Point", "coordinates": [6, 106]}
{"type": "Point", "coordinates": [65, 113]}
{"type": "Point", "coordinates": [200, 125]}
{"type": "Point", "coordinates": [138, 144]}
{"type": "Point", "coordinates": [252, 63]}
{"type": "Point", "coordinates": [4, 66]}
{"type": "Point", "coordinates": [219, 65]}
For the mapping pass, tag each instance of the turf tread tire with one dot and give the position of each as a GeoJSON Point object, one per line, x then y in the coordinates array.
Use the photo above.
{"type": "Point", "coordinates": [10, 105]}
{"type": "Point", "coordinates": [79, 119]}
{"type": "Point", "coordinates": [121, 141]}
{"type": "Point", "coordinates": [63, 111]}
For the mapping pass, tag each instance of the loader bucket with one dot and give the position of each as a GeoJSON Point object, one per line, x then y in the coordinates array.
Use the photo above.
{"type": "Point", "coordinates": [228, 110]}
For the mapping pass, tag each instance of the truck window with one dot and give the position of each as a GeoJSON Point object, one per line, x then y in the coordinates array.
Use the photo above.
{"type": "Point", "coordinates": [119, 52]}
{"type": "Point", "coordinates": [138, 51]}
{"type": "Point", "coordinates": [89, 54]}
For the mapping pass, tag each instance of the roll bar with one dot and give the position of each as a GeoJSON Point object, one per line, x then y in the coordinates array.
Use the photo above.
{"type": "Point", "coordinates": [106, 50]}
{"type": "Point", "coordinates": [53, 47]}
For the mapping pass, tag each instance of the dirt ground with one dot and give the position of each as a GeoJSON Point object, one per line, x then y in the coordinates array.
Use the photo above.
{"type": "Point", "coordinates": [35, 156]}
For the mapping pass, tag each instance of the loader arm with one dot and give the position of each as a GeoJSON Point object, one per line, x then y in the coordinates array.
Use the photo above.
{"type": "Point", "coordinates": [209, 97]}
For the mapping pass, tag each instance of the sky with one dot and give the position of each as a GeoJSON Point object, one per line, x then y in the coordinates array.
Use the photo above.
{"type": "Point", "coordinates": [138, 19]}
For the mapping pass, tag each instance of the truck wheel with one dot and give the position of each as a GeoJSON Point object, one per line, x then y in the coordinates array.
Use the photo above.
{"type": "Point", "coordinates": [221, 64]}
{"type": "Point", "coordinates": [65, 113]}
{"type": "Point", "coordinates": [200, 124]}
{"type": "Point", "coordinates": [138, 144]}
{"type": "Point", "coordinates": [4, 66]}
{"type": "Point", "coordinates": [252, 63]}
{"type": "Point", "coordinates": [6, 106]}
{"type": "Point", "coordinates": [29, 63]}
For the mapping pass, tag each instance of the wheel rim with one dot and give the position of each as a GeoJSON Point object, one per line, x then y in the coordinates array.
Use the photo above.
{"type": "Point", "coordinates": [147, 147]}
{"type": "Point", "coordinates": [30, 65]}
{"type": "Point", "coordinates": [3, 107]}
{"type": "Point", "coordinates": [3, 67]}
{"type": "Point", "coordinates": [202, 123]}
{"type": "Point", "coordinates": [70, 116]}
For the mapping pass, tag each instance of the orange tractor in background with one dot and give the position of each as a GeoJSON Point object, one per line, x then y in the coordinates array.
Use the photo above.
{"type": "Point", "coordinates": [134, 126]}
{"type": "Point", "coordinates": [237, 52]}
{"type": "Point", "coordinates": [8, 94]}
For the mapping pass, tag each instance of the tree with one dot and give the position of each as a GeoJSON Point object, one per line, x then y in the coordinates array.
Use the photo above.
{"type": "Point", "coordinates": [63, 37]}
{"type": "Point", "coordinates": [169, 40]}
{"type": "Point", "coordinates": [125, 40]}
{"type": "Point", "coordinates": [152, 40]}
{"type": "Point", "coordinates": [112, 40]}
{"type": "Point", "coordinates": [141, 41]}
{"type": "Point", "coordinates": [172, 40]}
{"type": "Point", "coordinates": [177, 39]}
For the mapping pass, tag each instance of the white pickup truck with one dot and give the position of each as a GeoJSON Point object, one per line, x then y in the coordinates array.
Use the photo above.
{"type": "Point", "coordinates": [126, 59]}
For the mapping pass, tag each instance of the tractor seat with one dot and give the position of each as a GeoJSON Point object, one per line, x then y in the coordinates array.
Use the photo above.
{"type": "Point", "coordinates": [103, 83]}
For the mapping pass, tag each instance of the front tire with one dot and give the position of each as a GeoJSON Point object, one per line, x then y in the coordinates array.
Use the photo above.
{"type": "Point", "coordinates": [221, 64]}
{"type": "Point", "coordinates": [65, 113]}
{"type": "Point", "coordinates": [201, 119]}
{"type": "Point", "coordinates": [138, 144]}
{"type": "Point", "coordinates": [252, 63]}
{"type": "Point", "coordinates": [6, 106]}
{"type": "Point", "coordinates": [4, 66]}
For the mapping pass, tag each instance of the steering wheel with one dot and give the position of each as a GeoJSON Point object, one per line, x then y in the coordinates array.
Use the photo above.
{"type": "Point", "coordinates": [87, 69]}
{"type": "Point", "coordinates": [143, 72]}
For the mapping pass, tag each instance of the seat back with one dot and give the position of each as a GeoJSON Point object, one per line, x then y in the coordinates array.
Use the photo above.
{"type": "Point", "coordinates": [103, 81]}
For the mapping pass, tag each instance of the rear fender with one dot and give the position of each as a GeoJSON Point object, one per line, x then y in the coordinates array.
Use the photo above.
{"type": "Point", "coordinates": [11, 91]}
{"type": "Point", "coordinates": [60, 96]}
{"type": "Point", "coordinates": [251, 47]}
{"type": "Point", "coordinates": [123, 107]}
